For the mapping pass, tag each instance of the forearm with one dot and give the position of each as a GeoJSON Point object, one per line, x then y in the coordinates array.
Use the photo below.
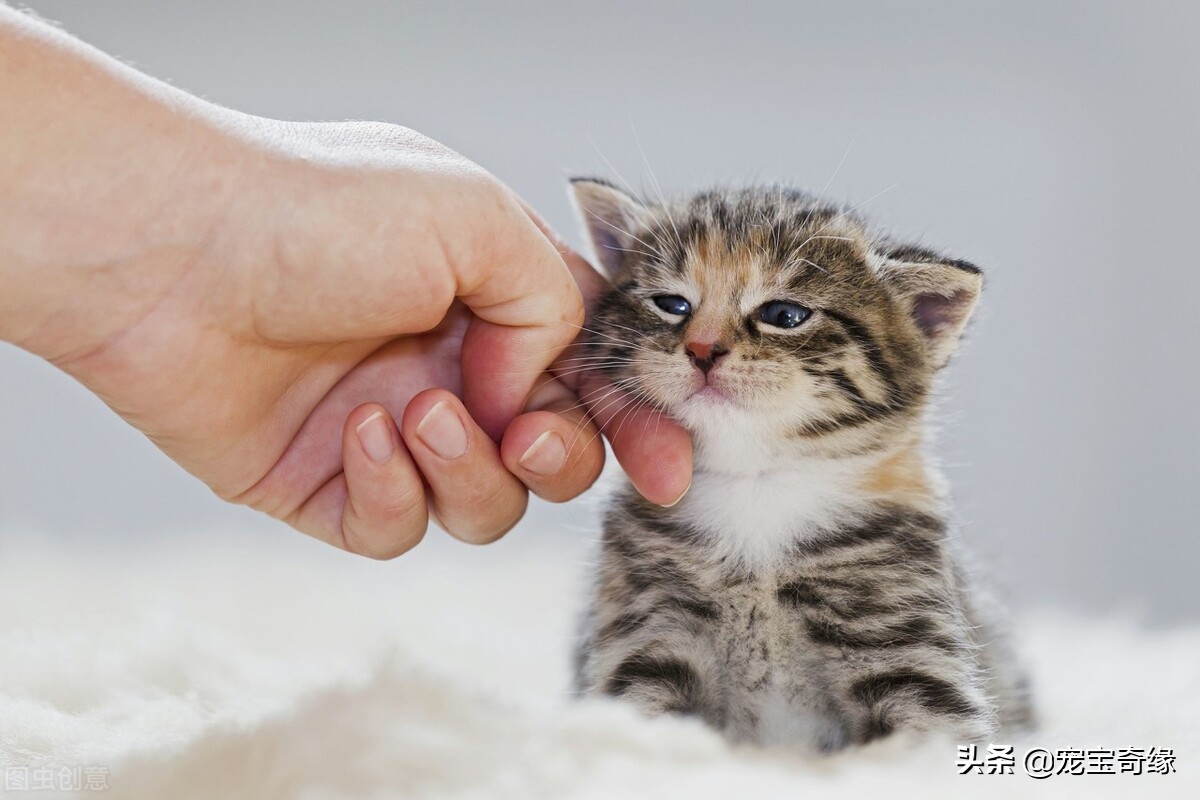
{"type": "Point", "coordinates": [108, 179]}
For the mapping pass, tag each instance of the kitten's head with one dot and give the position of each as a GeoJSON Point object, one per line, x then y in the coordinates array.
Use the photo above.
{"type": "Point", "coordinates": [763, 313]}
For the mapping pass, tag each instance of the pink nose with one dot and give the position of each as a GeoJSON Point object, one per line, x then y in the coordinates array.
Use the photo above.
{"type": "Point", "coordinates": [705, 354]}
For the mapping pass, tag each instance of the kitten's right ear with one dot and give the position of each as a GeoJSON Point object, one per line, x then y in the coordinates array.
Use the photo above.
{"type": "Point", "coordinates": [610, 216]}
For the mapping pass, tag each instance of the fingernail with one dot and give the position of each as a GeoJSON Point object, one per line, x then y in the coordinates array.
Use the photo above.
{"type": "Point", "coordinates": [677, 499]}
{"type": "Point", "coordinates": [546, 455]}
{"type": "Point", "coordinates": [442, 431]}
{"type": "Point", "coordinates": [375, 436]}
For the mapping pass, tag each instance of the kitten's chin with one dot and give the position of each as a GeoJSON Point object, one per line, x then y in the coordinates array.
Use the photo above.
{"type": "Point", "coordinates": [709, 406]}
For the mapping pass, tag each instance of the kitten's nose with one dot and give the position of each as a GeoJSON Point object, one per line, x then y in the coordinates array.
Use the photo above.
{"type": "Point", "coordinates": [705, 354]}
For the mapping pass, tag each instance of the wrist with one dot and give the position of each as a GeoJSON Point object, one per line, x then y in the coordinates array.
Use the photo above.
{"type": "Point", "coordinates": [109, 183]}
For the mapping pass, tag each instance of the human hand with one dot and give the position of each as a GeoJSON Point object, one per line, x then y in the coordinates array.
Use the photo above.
{"type": "Point", "coordinates": [333, 323]}
{"type": "Point", "coordinates": [482, 351]}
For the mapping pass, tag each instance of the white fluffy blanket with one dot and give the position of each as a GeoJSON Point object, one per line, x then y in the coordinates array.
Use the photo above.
{"type": "Point", "coordinates": [264, 667]}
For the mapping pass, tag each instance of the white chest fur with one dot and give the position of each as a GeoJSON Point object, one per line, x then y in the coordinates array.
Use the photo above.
{"type": "Point", "coordinates": [754, 518]}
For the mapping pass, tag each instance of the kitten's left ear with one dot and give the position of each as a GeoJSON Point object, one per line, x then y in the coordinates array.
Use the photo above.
{"type": "Point", "coordinates": [939, 293]}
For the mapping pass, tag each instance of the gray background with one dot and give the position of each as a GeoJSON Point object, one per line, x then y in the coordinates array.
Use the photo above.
{"type": "Point", "coordinates": [1055, 144]}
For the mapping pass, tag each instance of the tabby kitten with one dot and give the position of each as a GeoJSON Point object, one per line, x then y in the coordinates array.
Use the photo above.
{"type": "Point", "coordinates": [807, 589]}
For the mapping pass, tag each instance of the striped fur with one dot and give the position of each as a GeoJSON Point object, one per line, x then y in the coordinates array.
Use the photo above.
{"type": "Point", "coordinates": [807, 589]}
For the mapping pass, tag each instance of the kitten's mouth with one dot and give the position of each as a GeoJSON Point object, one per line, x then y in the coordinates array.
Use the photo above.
{"type": "Point", "coordinates": [709, 393]}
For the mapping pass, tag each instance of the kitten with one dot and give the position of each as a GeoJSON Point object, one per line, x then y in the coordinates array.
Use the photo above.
{"type": "Point", "coordinates": [807, 589]}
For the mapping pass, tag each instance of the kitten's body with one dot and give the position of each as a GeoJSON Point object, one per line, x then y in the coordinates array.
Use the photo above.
{"type": "Point", "coordinates": [806, 589]}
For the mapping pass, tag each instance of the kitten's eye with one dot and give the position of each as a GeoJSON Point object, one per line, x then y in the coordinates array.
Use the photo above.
{"type": "Point", "coordinates": [779, 314]}
{"type": "Point", "coordinates": [673, 304]}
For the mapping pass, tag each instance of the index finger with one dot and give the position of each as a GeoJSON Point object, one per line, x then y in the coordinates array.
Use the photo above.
{"type": "Point", "coordinates": [590, 282]}
{"type": "Point", "coordinates": [526, 305]}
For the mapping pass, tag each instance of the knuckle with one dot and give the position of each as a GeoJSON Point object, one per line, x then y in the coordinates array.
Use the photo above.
{"type": "Point", "coordinates": [386, 527]}
{"type": "Point", "coordinates": [575, 479]}
{"type": "Point", "coordinates": [574, 313]}
{"type": "Point", "coordinates": [383, 543]}
{"type": "Point", "coordinates": [433, 292]}
{"type": "Point", "coordinates": [490, 531]}
{"type": "Point", "coordinates": [375, 137]}
{"type": "Point", "coordinates": [492, 512]}
{"type": "Point", "coordinates": [400, 501]}
{"type": "Point", "coordinates": [489, 496]}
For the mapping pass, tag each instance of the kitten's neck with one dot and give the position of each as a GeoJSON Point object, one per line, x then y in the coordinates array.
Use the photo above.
{"type": "Point", "coordinates": [754, 500]}
{"type": "Point", "coordinates": [898, 473]}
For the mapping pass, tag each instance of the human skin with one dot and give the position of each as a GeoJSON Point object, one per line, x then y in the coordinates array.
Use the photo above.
{"type": "Point", "coordinates": [346, 325]}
